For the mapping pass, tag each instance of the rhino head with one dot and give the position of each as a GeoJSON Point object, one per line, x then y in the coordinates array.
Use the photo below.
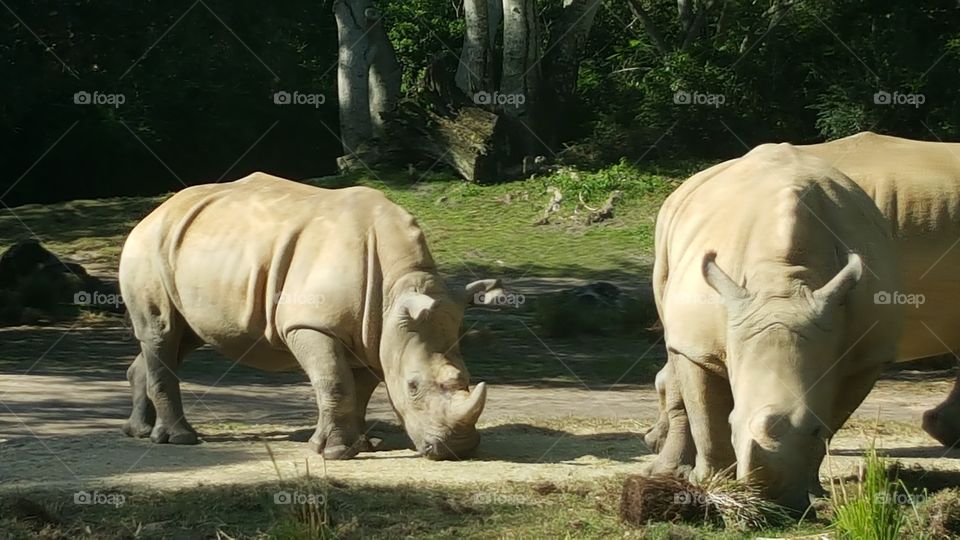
{"type": "Point", "coordinates": [425, 376]}
{"type": "Point", "coordinates": [782, 345]}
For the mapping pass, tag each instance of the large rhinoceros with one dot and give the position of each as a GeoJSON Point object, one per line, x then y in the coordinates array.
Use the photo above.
{"type": "Point", "coordinates": [766, 271]}
{"type": "Point", "coordinates": [276, 275]}
{"type": "Point", "coordinates": [916, 186]}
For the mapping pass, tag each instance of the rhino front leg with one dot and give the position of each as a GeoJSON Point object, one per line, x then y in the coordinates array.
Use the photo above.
{"type": "Point", "coordinates": [707, 401]}
{"type": "Point", "coordinates": [943, 421]}
{"type": "Point", "coordinates": [162, 358]}
{"type": "Point", "coordinates": [675, 448]}
{"type": "Point", "coordinates": [144, 415]}
{"type": "Point", "coordinates": [366, 381]}
{"type": "Point", "coordinates": [323, 359]}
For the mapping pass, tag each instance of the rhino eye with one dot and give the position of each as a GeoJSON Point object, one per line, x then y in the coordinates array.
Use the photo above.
{"type": "Point", "coordinates": [413, 386]}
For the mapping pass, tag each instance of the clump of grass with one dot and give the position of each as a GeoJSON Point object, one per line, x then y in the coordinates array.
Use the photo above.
{"type": "Point", "coordinates": [941, 514]}
{"type": "Point", "coordinates": [305, 511]}
{"type": "Point", "coordinates": [719, 501]}
{"type": "Point", "coordinates": [872, 509]}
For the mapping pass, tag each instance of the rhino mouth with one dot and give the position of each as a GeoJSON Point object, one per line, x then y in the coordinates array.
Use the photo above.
{"type": "Point", "coordinates": [457, 446]}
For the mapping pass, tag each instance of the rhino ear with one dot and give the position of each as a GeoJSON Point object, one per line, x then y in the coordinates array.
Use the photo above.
{"type": "Point", "coordinates": [837, 288]}
{"type": "Point", "coordinates": [484, 292]}
{"type": "Point", "coordinates": [728, 289]}
{"type": "Point", "coordinates": [416, 306]}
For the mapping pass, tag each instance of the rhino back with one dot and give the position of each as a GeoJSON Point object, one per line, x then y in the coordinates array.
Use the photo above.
{"type": "Point", "coordinates": [245, 262]}
{"type": "Point", "coordinates": [777, 219]}
{"type": "Point", "coordinates": [916, 185]}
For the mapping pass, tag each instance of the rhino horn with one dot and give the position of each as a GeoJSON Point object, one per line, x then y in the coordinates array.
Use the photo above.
{"type": "Point", "coordinates": [840, 285]}
{"type": "Point", "coordinates": [467, 412]}
{"type": "Point", "coordinates": [728, 289]}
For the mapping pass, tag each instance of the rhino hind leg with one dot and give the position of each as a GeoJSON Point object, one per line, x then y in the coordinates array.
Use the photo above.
{"type": "Point", "coordinates": [943, 421]}
{"type": "Point", "coordinates": [673, 440]}
{"type": "Point", "coordinates": [323, 358]}
{"type": "Point", "coordinates": [656, 436]}
{"type": "Point", "coordinates": [144, 415]}
{"type": "Point", "coordinates": [162, 357]}
{"type": "Point", "coordinates": [365, 381]}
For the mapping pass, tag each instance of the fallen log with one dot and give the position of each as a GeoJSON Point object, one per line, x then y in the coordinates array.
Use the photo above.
{"type": "Point", "coordinates": [470, 140]}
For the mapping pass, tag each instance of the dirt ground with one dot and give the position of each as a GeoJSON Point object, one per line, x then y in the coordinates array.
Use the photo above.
{"type": "Point", "coordinates": [60, 425]}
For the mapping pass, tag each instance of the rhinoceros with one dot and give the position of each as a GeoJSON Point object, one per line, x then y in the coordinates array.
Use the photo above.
{"type": "Point", "coordinates": [276, 275]}
{"type": "Point", "coordinates": [916, 186]}
{"type": "Point", "coordinates": [765, 277]}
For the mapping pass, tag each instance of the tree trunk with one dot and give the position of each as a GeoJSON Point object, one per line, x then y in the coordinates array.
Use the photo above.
{"type": "Point", "coordinates": [520, 79]}
{"type": "Point", "coordinates": [385, 75]}
{"type": "Point", "coordinates": [368, 74]}
{"type": "Point", "coordinates": [353, 73]}
{"type": "Point", "coordinates": [567, 45]}
{"type": "Point", "coordinates": [473, 72]}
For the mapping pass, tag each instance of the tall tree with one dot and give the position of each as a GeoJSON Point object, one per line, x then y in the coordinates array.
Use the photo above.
{"type": "Point", "coordinates": [368, 73]}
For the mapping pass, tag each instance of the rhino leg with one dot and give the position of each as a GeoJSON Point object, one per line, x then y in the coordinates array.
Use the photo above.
{"type": "Point", "coordinates": [676, 451]}
{"type": "Point", "coordinates": [162, 358]}
{"type": "Point", "coordinates": [143, 415]}
{"type": "Point", "coordinates": [708, 401]}
{"type": "Point", "coordinates": [943, 421]}
{"type": "Point", "coordinates": [365, 381]}
{"type": "Point", "coordinates": [656, 436]}
{"type": "Point", "coordinates": [855, 390]}
{"type": "Point", "coordinates": [324, 360]}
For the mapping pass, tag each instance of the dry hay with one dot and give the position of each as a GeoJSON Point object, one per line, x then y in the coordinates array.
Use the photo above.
{"type": "Point", "coordinates": [718, 501]}
{"type": "Point", "coordinates": [941, 512]}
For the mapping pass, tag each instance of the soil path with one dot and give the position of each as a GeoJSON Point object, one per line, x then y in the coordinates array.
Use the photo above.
{"type": "Point", "coordinates": [62, 406]}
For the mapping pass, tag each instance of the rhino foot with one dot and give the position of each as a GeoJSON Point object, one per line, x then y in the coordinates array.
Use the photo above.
{"type": "Point", "coordinates": [655, 436]}
{"type": "Point", "coordinates": [658, 468]}
{"type": "Point", "coordinates": [334, 448]}
{"type": "Point", "coordinates": [162, 435]}
{"type": "Point", "coordinates": [137, 429]}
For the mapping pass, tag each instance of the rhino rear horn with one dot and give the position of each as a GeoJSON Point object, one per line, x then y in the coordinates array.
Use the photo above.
{"type": "Point", "coordinates": [467, 412]}
{"type": "Point", "coordinates": [838, 287]}
{"type": "Point", "coordinates": [728, 289]}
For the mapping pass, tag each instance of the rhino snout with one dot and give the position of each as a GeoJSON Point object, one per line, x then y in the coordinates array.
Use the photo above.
{"type": "Point", "coordinates": [456, 446]}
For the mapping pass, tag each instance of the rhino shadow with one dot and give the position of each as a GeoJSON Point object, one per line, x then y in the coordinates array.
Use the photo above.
{"type": "Point", "coordinates": [513, 443]}
{"type": "Point", "coordinates": [525, 443]}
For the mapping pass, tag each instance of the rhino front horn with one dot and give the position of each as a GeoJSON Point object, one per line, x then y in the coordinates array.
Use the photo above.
{"type": "Point", "coordinates": [468, 411]}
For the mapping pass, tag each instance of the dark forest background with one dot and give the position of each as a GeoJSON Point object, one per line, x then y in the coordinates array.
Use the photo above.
{"type": "Point", "coordinates": [198, 80]}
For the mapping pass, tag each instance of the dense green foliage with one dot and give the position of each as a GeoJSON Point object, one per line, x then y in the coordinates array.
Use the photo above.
{"type": "Point", "coordinates": [198, 81]}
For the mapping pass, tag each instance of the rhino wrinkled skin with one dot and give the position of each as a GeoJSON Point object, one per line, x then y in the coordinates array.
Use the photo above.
{"type": "Point", "coordinates": [276, 275]}
{"type": "Point", "coordinates": [786, 371]}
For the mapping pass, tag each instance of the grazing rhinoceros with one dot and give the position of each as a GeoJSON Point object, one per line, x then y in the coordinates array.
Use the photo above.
{"type": "Point", "coordinates": [276, 274]}
{"type": "Point", "coordinates": [766, 271]}
{"type": "Point", "coordinates": [916, 186]}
